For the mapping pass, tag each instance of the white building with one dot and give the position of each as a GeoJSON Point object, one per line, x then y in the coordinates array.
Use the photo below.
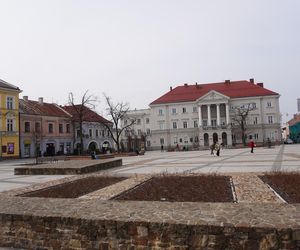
{"type": "Point", "coordinates": [195, 115]}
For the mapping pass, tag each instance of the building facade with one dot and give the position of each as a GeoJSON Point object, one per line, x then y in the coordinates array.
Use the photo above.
{"type": "Point", "coordinates": [294, 128]}
{"type": "Point", "coordinates": [196, 115]}
{"type": "Point", "coordinates": [45, 128]}
{"type": "Point", "coordinates": [9, 125]}
{"type": "Point", "coordinates": [96, 136]}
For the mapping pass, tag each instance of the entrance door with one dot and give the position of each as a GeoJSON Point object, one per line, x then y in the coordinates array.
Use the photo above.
{"type": "Point", "coordinates": [206, 139]}
{"type": "Point", "coordinates": [26, 150]}
{"type": "Point", "coordinates": [224, 138]}
{"type": "Point", "coordinates": [50, 149]}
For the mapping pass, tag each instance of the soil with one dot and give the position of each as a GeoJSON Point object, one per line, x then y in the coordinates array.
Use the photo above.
{"type": "Point", "coordinates": [203, 188]}
{"type": "Point", "coordinates": [287, 185]}
{"type": "Point", "coordinates": [75, 188]}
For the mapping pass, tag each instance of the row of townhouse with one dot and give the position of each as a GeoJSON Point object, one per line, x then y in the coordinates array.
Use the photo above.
{"type": "Point", "coordinates": [30, 128]}
{"type": "Point", "coordinates": [196, 115]}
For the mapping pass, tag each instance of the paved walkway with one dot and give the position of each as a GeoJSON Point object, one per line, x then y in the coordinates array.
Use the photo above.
{"type": "Point", "coordinates": [285, 157]}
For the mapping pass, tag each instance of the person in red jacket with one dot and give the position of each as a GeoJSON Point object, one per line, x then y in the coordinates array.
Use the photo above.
{"type": "Point", "coordinates": [251, 145]}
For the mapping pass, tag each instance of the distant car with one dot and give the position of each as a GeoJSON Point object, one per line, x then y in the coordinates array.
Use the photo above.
{"type": "Point", "coordinates": [288, 141]}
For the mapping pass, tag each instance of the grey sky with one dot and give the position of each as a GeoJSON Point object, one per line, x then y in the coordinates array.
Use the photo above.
{"type": "Point", "coordinates": [134, 50]}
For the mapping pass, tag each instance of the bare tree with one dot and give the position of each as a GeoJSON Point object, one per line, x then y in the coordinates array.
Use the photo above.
{"type": "Point", "coordinates": [87, 101]}
{"type": "Point", "coordinates": [240, 118]}
{"type": "Point", "coordinates": [117, 112]}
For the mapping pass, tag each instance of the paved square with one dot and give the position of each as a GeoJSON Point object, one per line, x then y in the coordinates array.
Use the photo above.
{"type": "Point", "coordinates": [284, 158]}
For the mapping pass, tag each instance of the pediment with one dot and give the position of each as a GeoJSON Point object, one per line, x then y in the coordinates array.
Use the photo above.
{"type": "Point", "coordinates": [213, 96]}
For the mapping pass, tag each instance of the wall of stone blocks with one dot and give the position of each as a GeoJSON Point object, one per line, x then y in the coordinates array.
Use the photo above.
{"type": "Point", "coordinates": [22, 231]}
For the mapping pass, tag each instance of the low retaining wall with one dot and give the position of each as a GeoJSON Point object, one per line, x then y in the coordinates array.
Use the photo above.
{"type": "Point", "coordinates": [69, 167]}
{"type": "Point", "coordinates": [74, 224]}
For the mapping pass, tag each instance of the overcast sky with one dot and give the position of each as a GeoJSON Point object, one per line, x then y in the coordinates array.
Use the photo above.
{"type": "Point", "coordinates": [134, 50]}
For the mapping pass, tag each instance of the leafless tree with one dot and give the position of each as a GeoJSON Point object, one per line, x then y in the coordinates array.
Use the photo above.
{"type": "Point", "coordinates": [117, 113]}
{"type": "Point", "coordinates": [240, 117]}
{"type": "Point", "coordinates": [87, 101]}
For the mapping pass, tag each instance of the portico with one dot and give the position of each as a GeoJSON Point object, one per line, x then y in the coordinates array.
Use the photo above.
{"type": "Point", "coordinates": [214, 119]}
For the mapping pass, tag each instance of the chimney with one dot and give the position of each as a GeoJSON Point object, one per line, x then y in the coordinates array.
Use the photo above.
{"type": "Point", "coordinates": [25, 98]}
{"type": "Point", "coordinates": [261, 84]}
{"type": "Point", "coordinates": [251, 80]}
{"type": "Point", "coordinates": [171, 88]}
{"type": "Point", "coordinates": [196, 83]}
{"type": "Point", "coordinates": [185, 85]}
{"type": "Point", "coordinates": [41, 100]}
{"type": "Point", "coordinates": [227, 81]}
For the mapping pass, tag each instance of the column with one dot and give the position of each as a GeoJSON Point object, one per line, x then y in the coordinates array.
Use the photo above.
{"type": "Point", "coordinates": [227, 114]}
{"type": "Point", "coordinates": [218, 115]}
{"type": "Point", "coordinates": [208, 116]}
{"type": "Point", "coordinates": [200, 117]}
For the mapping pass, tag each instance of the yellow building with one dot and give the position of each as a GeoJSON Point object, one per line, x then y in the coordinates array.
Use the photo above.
{"type": "Point", "coordinates": [9, 117]}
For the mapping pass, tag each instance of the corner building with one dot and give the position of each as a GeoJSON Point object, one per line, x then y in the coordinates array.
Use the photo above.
{"type": "Point", "coordinates": [195, 115]}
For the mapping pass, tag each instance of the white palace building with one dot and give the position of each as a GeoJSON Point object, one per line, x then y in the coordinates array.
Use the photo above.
{"type": "Point", "coordinates": [196, 115]}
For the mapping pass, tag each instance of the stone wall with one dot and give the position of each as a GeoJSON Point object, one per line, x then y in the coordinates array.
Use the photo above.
{"type": "Point", "coordinates": [34, 232]}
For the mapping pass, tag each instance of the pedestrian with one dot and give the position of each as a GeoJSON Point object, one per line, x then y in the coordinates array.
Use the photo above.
{"type": "Point", "coordinates": [252, 145]}
{"type": "Point", "coordinates": [269, 143]}
{"type": "Point", "coordinates": [177, 147]}
{"type": "Point", "coordinates": [217, 148]}
{"type": "Point", "coordinates": [212, 148]}
{"type": "Point", "coordinates": [162, 148]}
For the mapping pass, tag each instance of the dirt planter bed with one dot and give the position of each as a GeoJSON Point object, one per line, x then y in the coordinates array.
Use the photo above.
{"type": "Point", "coordinates": [286, 184]}
{"type": "Point", "coordinates": [200, 188]}
{"type": "Point", "coordinates": [74, 189]}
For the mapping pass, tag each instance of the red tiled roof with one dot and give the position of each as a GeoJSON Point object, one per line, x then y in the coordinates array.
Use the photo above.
{"type": "Point", "coordinates": [89, 115]}
{"type": "Point", "coordinates": [234, 89]}
{"type": "Point", "coordinates": [45, 109]}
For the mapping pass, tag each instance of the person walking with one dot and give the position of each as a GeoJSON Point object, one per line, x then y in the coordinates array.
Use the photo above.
{"type": "Point", "coordinates": [217, 148]}
{"type": "Point", "coordinates": [212, 148]}
{"type": "Point", "coordinates": [252, 145]}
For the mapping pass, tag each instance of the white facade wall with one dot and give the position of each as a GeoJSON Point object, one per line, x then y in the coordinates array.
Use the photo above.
{"type": "Point", "coordinates": [173, 123]}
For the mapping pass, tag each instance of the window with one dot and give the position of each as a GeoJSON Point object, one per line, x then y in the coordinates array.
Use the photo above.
{"type": "Point", "coordinates": [161, 125]}
{"type": "Point", "coordinates": [175, 140]}
{"type": "Point", "coordinates": [255, 120]}
{"type": "Point", "coordinates": [270, 119]}
{"type": "Point", "coordinates": [185, 125]}
{"type": "Point", "coordinates": [195, 124]}
{"type": "Point", "coordinates": [102, 132]}
{"type": "Point", "coordinates": [180, 140]}
{"type": "Point", "coordinates": [37, 127]}
{"type": "Point", "coordinates": [191, 139]}
{"type": "Point", "coordinates": [60, 128]}
{"type": "Point", "coordinates": [214, 123]}
{"type": "Point", "coordinates": [27, 127]}
{"type": "Point", "coordinates": [173, 111]}
{"type": "Point", "coordinates": [174, 125]}
{"type": "Point", "coordinates": [10, 125]}
{"type": "Point", "coordinates": [148, 143]}
{"type": "Point", "coordinates": [68, 128]}
{"type": "Point", "coordinates": [90, 132]}
{"type": "Point", "coordinates": [254, 105]}
{"type": "Point", "coordinates": [195, 109]}
{"type": "Point", "coordinates": [204, 123]}
{"type": "Point", "coordinates": [162, 141]}
{"type": "Point", "coordinates": [160, 112]}
{"type": "Point", "coordinates": [138, 122]}
{"type": "Point", "coordinates": [139, 132]}
{"type": "Point", "coordinates": [255, 136]}
{"type": "Point", "coordinates": [97, 132]}
{"type": "Point", "coordinates": [108, 133]}
{"type": "Point", "coordinates": [50, 128]}
{"type": "Point", "coordinates": [148, 131]}
{"type": "Point", "coordinates": [147, 120]}
{"type": "Point", "coordinates": [269, 104]}
{"type": "Point", "coordinates": [186, 140]}
{"type": "Point", "coordinates": [183, 110]}
{"type": "Point", "coordinates": [196, 139]}
{"type": "Point", "coordinates": [9, 102]}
